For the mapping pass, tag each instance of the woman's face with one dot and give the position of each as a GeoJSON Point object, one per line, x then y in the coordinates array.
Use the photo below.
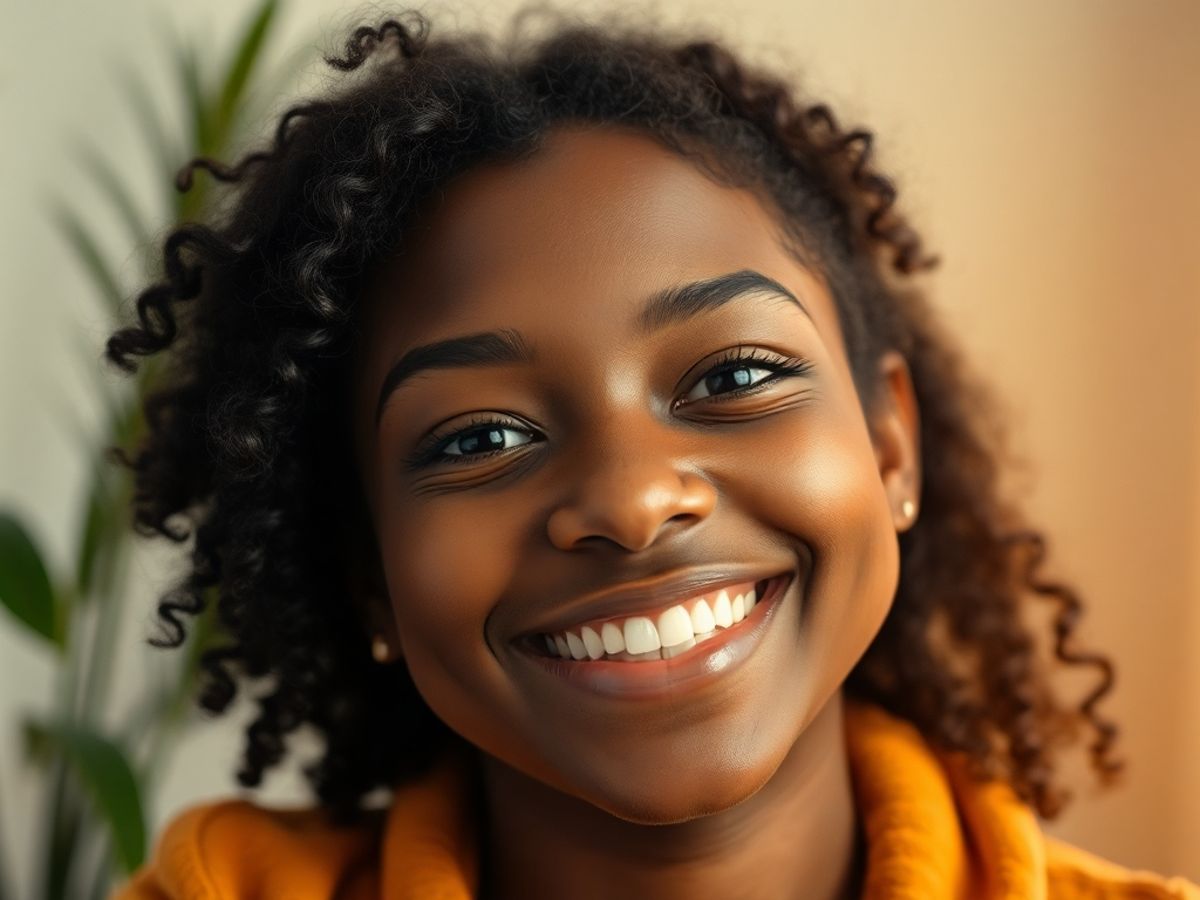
{"type": "Point", "coordinates": [595, 455]}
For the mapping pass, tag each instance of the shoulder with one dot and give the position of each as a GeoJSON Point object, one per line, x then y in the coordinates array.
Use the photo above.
{"type": "Point", "coordinates": [235, 848]}
{"type": "Point", "coordinates": [1075, 874]}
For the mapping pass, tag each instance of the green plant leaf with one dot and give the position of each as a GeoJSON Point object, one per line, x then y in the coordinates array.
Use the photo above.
{"type": "Point", "coordinates": [248, 50]}
{"type": "Point", "coordinates": [37, 744]}
{"type": "Point", "coordinates": [167, 154]}
{"type": "Point", "coordinates": [199, 143]}
{"type": "Point", "coordinates": [107, 179]}
{"type": "Point", "coordinates": [24, 583]}
{"type": "Point", "coordinates": [91, 358]}
{"type": "Point", "coordinates": [192, 85]}
{"type": "Point", "coordinates": [271, 94]}
{"type": "Point", "coordinates": [106, 773]}
{"type": "Point", "coordinates": [100, 524]}
{"type": "Point", "coordinates": [272, 86]}
{"type": "Point", "coordinates": [95, 530]}
{"type": "Point", "coordinates": [89, 254]}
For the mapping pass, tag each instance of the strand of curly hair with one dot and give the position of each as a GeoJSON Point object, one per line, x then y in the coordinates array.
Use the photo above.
{"type": "Point", "coordinates": [246, 436]}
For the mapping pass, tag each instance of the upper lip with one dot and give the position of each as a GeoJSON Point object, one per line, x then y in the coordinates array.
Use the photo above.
{"type": "Point", "coordinates": [635, 597]}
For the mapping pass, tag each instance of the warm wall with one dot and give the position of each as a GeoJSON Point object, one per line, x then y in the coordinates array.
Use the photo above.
{"type": "Point", "coordinates": [1048, 152]}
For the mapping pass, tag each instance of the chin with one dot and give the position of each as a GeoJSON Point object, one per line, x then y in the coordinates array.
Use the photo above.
{"type": "Point", "coordinates": [687, 794]}
{"type": "Point", "coordinates": [672, 814]}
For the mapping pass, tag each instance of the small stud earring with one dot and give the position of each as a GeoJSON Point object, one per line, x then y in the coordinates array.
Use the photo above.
{"type": "Point", "coordinates": [908, 508]}
{"type": "Point", "coordinates": [379, 649]}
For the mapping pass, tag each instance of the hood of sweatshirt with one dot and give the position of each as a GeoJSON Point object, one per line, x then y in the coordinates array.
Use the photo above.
{"type": "Point", "coordinates": [932, 832]}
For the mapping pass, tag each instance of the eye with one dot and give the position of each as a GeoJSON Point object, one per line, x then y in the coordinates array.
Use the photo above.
{"type": "Point", "coordinates": [483, 436]}
{"type": "Point", "coordinates": [485, 439]}
{"type": "Point", "coordinates": [735, 375]}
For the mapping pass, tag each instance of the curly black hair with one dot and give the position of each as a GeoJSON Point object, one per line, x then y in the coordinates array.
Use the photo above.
{"type": "Point", "coordinates": [247, 441]}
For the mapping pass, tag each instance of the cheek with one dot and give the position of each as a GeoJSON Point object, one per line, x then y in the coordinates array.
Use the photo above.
{"type": "Point", "coordinates": [446, 562]}
{"type": "Point", "coordinates": [826, 494]}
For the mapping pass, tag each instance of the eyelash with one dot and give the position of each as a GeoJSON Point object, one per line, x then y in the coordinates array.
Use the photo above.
{"type": "Point", "coordinates": [428, 453]}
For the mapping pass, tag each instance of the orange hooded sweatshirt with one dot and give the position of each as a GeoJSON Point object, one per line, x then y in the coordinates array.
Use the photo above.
{"type": "Point", "coordinates": [932, 833]}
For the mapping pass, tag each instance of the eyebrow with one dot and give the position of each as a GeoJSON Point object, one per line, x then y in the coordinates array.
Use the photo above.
{"type": "Point", "coordinates": [669, 306]}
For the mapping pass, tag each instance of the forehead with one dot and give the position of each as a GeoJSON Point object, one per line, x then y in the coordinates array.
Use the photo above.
{"type": "Point", "coordinates": [569, 242]}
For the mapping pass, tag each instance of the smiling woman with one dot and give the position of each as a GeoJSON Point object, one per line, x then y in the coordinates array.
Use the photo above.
{"type": "Point", "coordinates": [559, 432]}
{"type": "Point", "coordinates": [618, 473]}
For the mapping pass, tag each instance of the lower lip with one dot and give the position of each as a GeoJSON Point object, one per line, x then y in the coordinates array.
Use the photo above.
{"type": "Point", "coordinates": [717, 656]}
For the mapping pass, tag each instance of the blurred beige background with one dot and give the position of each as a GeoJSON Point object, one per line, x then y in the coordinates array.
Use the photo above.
{"type": "Point", "coordinates": [1047, 150]}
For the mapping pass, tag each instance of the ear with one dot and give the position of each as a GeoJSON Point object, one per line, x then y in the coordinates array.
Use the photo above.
{"type": "Point", "coordinates": [896, 433]}
{"type": "Point", "coordinates": [367, 585]}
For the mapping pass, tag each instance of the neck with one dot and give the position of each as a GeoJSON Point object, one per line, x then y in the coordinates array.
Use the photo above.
{"type": "Point", "coordinates": [797, 836]}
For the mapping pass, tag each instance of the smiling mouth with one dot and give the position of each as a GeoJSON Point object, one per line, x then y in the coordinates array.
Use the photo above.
{"type": "Point", "coordinates": [667, 634]}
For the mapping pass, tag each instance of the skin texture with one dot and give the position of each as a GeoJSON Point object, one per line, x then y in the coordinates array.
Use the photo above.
{"type": "Point", "coordinates": [712, 788]}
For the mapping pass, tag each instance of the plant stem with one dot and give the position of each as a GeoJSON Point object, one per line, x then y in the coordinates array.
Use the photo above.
{"type": "Point", "coordinates": [62, 834]}
{"type": "Point", "coordinates": [102, 655]}
{"type": "Point", "coordinates": [102, 879]}
{"type": "Point", "coordinates": [5, 886]}
{"type": "Point", "coordinates": [61, 822]}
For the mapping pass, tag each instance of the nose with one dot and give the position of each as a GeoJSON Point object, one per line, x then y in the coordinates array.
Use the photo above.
{"type": "Point", "coordinates": [625, 497]}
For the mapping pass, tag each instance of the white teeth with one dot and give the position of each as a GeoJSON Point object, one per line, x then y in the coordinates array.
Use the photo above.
{"type": "Point", "coordinates": [676, 649]}
{"type": "Point", "coordinates": [639, 657]}
{"type": "Point", "coordinates": [560, 644]}
{"type": "Point", "coordinates": [640, 635]}
{"type": "Point", "coordinates": [642, 638]}
{"type": "Point", "coordinates": [674, 626]}
{"type": "Point", "coordinates": [614, 640]}
{"type": "Point", "coordinates": [702, 618]}
{"type": "Point", "coordinates": [578, 651]}
{"type": "Point", "coordinates": [592, 643]}
{"type": "Point", "coordinates": [722, 613]}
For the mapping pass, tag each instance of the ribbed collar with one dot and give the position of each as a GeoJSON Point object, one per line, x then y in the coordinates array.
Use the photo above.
{"type": "Point", "coordinates": [932, 832]}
